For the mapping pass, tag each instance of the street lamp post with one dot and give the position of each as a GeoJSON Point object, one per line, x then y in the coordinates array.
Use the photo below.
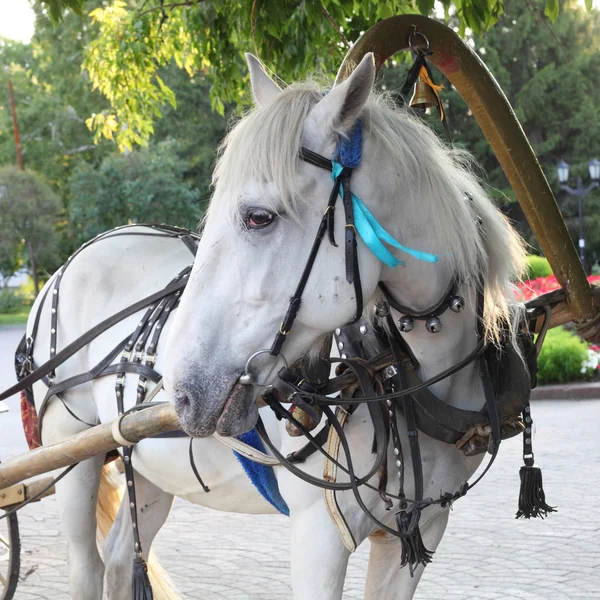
{"type": "Point", "coordinates": [562, 170]}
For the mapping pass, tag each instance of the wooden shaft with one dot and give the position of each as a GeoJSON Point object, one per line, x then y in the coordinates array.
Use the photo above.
{"type": "Point", "coordinates": [97, 440]}
{"type": "Point", "coordinates": [465, 70]}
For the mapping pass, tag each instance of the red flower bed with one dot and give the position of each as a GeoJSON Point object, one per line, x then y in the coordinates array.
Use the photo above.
{"type": "Point", "coordinates": [542, 285]}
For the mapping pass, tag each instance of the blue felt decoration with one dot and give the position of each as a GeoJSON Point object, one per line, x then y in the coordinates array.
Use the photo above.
{"type": "Point", "coordinates": [349, 149]}
{"type": "Point", "coordinates": [261, 476]}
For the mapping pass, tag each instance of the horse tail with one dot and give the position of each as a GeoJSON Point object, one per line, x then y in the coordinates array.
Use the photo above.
{"type": "Point", "coordinates": [110, 496]}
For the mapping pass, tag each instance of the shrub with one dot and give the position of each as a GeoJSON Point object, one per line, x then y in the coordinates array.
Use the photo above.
{"type": "Point", "coordinates": [562, 356]}
{"type": "Point", "coordinates": [10, 302]}
{"type": "Point", "coordinates": [537, 266]}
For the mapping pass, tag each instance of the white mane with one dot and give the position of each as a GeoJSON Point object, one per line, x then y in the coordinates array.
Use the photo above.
{"type": "Point", "coordinates": [436, 186]}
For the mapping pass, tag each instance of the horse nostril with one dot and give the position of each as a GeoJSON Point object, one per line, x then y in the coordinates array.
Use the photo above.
{"type": "Point", "coordinates": [182, 401]}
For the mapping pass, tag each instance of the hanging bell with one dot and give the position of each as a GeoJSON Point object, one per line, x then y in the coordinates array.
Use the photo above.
{"type": "Point", "coordinates": [406, 324]}
{"type": "Point", "coordinates": [457, 303]}
{"type": "Point", "coordinates": [423, 96]}
{"type": "Point", "coordinates": [433, 325]}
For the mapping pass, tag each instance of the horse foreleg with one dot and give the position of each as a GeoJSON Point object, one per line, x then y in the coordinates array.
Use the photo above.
{"type": "Point", "coordinates": [319, 559]}
{"type": "Point", "coordinates": [154, 506]}
{"type": "Point", "coordinates": [386, 579]}
{"type": "Point", "coordinates": [77, 495]}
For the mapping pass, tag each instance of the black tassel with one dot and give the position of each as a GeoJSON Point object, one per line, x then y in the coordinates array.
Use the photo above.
{"type": "Point", "coordinates": [142, 590]}
{"type": "Point", "coordinates": [532, 500]}
{"type": "Point", "coordinates": [414, 552]}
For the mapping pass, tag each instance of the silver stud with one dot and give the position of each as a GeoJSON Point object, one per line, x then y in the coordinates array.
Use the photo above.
{"type": "Point", "coordinates": [396, 451]}
{"type": "Point", "coordinates": [132, 505]}
{"type": "Point", "coordinates": [344, 356]}
{"type": "Point", "coordinates": [433, 325]}
{"type": "Point", "coordinates": [55, 291]}
{"type": "Point", "coordinates": [53, 311]}
{"type": "Point", "coordinates": [134, 525]}
{"type": "Point", "coordinates": [126, 458]}
{"type": "Point", "coordinates": [363, 329]}
{"type": "Point", "coordinates": [391, 413]}
{"type": "Point", "coordinates": [137, 546]}
{"type": "Point", "coordinates": [53, 330]}
{"type": "Point", "coordinates": [528, 440]}
{"type": "Point", "coordinates": [338, 331]}
{"type": "Point", "coordinates": [130, 483]}
{"type": "Point", "coordinates": [246, 379]}
{"type": "Point", "coordinates": [398, 464]}
{"type": "Point", "coordinates": [389, 402]}
{"type": "Point", "coordinates": [52, 350]}
{"type": "Point", "coordinates": [406, 324]}
{"type": "Point", "coordinates": [528, 430]}
{"type": "Point", "coordinates": [457, 303]}
{"type": "Point", "coordinates": [341, 345]}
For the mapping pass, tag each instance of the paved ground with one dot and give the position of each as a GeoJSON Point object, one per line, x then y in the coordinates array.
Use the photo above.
{"type": "Point", "coordinates": [486, 553]}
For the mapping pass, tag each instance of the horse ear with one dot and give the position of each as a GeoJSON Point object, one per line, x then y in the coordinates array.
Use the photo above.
{"type": "Point", "coordinates": [264, 89]}
{"type": "Point", "coordinates": [340, 108]}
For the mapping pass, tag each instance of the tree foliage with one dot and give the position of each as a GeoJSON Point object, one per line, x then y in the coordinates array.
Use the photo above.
{"type": "Point", "coordinates": [30, 211]}
{"type": "Point", "coordinates": [294, 38]}
{"type": "Point", "coordinates": [139, 187]}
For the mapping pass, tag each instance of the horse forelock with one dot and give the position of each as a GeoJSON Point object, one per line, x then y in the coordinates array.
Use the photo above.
{"type": "Point", "coordinates": [437, 186]}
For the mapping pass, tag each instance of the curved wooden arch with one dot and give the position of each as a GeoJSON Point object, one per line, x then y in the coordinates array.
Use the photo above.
{"type": "Point", "coordinates": [494, 114]}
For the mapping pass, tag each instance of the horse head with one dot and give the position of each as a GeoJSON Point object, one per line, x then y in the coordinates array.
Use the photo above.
{"type": "Point", "coordinates": [267, 207]}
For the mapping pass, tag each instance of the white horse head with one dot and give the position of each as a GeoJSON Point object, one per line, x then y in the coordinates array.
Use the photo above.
{"type": "Point", "coordinates": [266, 209]}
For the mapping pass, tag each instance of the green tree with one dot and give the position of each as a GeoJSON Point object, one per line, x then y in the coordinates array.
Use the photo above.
{"type": "Point", "coordinates": [10, 251]}
{"type": "Point", "coordinates": [144, 186]}
{"type": "Point", "coordinates": [53, 99]}
{"type": "Point", "coordinates": [30, 210]}
{"type": "Point", "coordinates": [137, 38]}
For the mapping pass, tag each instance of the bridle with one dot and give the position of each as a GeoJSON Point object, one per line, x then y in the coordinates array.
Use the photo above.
{"type": "Point", "coordinates": [341, 182]}
{"type": "Point", "coordinates": [382, 407]}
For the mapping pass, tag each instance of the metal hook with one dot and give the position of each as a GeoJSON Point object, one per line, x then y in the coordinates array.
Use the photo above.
{"type": "Point", "coordinates": [420, 51]}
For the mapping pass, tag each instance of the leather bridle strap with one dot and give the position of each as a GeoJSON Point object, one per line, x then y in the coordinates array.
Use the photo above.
{"type": "Point", "coordinates": [327, 222]}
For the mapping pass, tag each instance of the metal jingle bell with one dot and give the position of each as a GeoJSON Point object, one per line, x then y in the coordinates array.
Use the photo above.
{"type": "Point", "coordinates": [423, 96]}
{"type": "Point", "coordinates": [433, 325]}
{"type": "Point", "coordinates": [406, 324]}
{"type": "Point", "coordinates": [457, 303]}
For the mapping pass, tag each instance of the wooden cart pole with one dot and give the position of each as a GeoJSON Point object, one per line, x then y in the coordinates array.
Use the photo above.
{"type": "Point", "coordinates": [97, 440]}
{"type": "Point", "coordinates": [465, 70]}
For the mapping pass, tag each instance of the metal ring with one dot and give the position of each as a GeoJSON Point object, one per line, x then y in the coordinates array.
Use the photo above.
{"type": "Point", "coordinates": [116, 432]}
{"type": "Point", "coordinates": [422, 35]}
{"type": "Point", "coordinates": [247, 373]}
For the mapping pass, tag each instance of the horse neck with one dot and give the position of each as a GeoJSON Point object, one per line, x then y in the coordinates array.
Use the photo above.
{"type": "Point", "coordinates": [420, 286]}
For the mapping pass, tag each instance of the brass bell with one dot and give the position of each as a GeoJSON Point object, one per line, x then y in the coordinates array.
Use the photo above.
{"type": "Point", "coordinates": [423, 96]}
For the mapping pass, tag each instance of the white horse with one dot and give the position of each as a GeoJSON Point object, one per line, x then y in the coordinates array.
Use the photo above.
{"type": "Point", "coordinates": [266, 207]}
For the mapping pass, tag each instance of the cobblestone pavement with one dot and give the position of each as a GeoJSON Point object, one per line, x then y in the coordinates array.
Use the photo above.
{"type": "Point", "coordinates": [486, 553]}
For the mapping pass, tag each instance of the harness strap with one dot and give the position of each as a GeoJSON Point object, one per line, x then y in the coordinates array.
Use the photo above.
{"type": "Point", "coordinates": [87, 337]}
{"type": "Point", "coordinates": [433, 311]}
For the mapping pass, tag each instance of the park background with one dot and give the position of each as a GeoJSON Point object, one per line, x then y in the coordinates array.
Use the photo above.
{"type": "Point", "coordinates": [121, 106]}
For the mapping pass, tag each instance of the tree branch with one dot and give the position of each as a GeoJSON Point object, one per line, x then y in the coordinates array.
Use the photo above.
{"type": "Point", "coordinates": [333, 23]}
{"type": "Point", "coordinates": [172, 5]}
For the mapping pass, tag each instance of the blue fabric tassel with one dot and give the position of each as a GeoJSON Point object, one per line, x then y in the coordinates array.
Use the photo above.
{"type": "Point", "coordinates": [373, 234]}
{"type": "Point", "coordinates": [261, 476]}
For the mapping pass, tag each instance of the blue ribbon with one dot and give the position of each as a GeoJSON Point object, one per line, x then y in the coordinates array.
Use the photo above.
{"type": "Point", "coordinates": [373, 234]}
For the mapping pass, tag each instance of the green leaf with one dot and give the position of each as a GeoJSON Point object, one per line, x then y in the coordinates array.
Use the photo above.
{"type": "Point", "coordinates": [588, 5]}
{"type": "Point", "coordinates": [551, 10]}
{"type": "Point", "coordinates": [425, 6]}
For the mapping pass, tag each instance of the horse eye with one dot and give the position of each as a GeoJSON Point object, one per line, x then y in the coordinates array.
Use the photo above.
{"type": "Point", "coordinates": [259, 218]}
